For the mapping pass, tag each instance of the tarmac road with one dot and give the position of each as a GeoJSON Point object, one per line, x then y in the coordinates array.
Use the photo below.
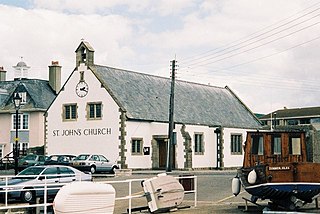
{"type": "Point", "coordinates": [214, 194]}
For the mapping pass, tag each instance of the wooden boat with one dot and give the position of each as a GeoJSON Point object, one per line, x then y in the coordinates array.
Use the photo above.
{"type": "Point", "coordinates": [277, 166]}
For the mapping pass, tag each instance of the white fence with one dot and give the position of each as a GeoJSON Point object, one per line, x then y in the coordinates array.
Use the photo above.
{"type": "Point", "coordinates": [6, 190]}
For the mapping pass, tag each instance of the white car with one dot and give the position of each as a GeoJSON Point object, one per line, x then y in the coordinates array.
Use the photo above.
{"type": "Point", "coordinates": [30, 182]}
{"type": "Point", "coordinates": [94, 163]}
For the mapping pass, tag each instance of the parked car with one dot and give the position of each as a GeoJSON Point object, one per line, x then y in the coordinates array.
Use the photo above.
{"type": "Point", "coordinates": [94, 163]}
{"type": "Point", "coordinates": [59, 160]}
{"type": "Point", "coordinates": [31, 160]}
{"type": "Point", "coordinates": [30, 182]}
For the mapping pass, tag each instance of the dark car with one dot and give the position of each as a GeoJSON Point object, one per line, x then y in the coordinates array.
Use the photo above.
{"type": "Point", "coordinates": [59, 160]}
{"type": "Point", "coordinates": [31, 160]}
{"type": "Point", "coordinates": [30, 182]}
{"type": "Point", "coordinates": [94, 163]}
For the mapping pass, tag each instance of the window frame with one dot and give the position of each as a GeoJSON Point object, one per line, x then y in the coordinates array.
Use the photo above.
{"type": "Point", "coordinates": [1, 150]}
{"type": "Point", "coordinates": [22, 146]}
{"type": "Point", "coordinates": [198, 146]}
{"type": "Point", "coordinates": [236, 144]}
{"type": "Point", "coordinates": [294, 148]}
{"type": "Point", "coordinates": [134, 146]}
{"type": "Point", "coordinates": [23, 96]}
{"type": "Point", "coordinates": [23, 121]}
{"type": "Point", "coordinates": [257, 147]}
{"type": "Point", "coordinates": [273, 145]}
{"type": "Point", "coordinates": [95, 104]}
{"type": "Point", "coordinates": [64, 106]}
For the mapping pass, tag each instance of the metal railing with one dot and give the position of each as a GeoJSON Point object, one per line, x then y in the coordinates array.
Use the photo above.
{"type": "Point", "coordinates": [7, 189]}
{"type": "Point", "coordinates": [131, 196]}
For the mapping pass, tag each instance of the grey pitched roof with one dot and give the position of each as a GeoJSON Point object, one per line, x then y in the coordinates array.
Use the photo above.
{"type": "Point", "coordinates": [295, 113]}
{"type": "Point", "coordinates": [39, 94]}
{"type": "Point", "coordinates": [88, 46]}
{"type": "Point", "coordinates": [146, 97]}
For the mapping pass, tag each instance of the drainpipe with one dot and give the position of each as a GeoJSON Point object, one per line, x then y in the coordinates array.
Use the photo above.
{"type": "Point", "coordinates": [217, 131]}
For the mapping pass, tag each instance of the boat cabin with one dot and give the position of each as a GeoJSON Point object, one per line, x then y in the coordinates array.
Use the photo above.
{"type": "Point", "coordinates": [268, 147]}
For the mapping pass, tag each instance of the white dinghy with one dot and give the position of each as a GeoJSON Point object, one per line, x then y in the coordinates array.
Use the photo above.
{"type": "Point", "coordinates": [163, 192]}
{"type": "Point", "coordinates": [84, 198]}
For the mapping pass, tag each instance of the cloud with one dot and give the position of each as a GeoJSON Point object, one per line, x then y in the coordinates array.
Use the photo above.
{"type": "Point", "coordinates": [145, 35]}
{"type": "Point", "coordinates": [160, 7]}
{"type": "Point", "coordinates": [41, 36]}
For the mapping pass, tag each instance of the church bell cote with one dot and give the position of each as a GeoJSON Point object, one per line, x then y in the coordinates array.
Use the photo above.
{"type": "Point", "coordinates": [84, 54]}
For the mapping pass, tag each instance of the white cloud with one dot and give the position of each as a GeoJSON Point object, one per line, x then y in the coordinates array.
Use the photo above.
{"type": "Point", "coordinates": [160, 7]}
{"type": "Point", "coordinates": [145, 35]}
{"type": "Point", "coordinates": [41, 36]}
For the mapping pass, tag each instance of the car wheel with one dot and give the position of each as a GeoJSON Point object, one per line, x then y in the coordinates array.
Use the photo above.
{"type": "Point", "coordinates": [93, 169]}
{"type": "Point", "coordinates": [28, 196]}
{"type": "Point", "coordinates": [113, 170]}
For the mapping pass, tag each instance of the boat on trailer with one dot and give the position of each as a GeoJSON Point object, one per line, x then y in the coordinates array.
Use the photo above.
{"type": "Point", "coordinates": [277, 166]}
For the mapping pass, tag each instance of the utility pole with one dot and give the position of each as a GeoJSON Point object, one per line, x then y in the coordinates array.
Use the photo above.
{"type": "Point", "coordinates": [171, 119]}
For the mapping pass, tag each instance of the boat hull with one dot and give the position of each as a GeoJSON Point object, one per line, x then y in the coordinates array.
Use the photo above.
{"type": "Point", "coordinates": [280, 181]}
{"type": "Point", "coordinates": [282, 191]}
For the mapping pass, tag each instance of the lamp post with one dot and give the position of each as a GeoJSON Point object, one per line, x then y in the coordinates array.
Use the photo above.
{"type": "Point", "coordinates": [17, 102]}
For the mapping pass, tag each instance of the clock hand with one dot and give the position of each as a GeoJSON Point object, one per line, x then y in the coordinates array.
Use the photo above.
{"type": "Point", "coordinates": [83, 89]}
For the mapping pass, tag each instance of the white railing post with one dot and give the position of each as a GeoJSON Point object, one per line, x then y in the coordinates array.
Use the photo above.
{"type": "Point", "coordinates": [195, 190]}
{"type": "Point", "coordinates": [6, 193]}
{"type": "Point", "coordinates": [45, 195]}
{"type": "Point", "coordinates": [130, 197]}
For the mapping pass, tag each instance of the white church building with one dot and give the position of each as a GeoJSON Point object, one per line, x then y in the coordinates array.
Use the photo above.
{"type": "Point", "coordinates": [124, 115]}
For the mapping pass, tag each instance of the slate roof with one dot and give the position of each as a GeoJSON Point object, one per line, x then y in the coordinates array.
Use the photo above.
{"type": "Point", "coordinates": [39, 94]}
{"type": "Point", "coordinates": [146, 97]}
{"type": "Point", "coordinates": [295, 113]}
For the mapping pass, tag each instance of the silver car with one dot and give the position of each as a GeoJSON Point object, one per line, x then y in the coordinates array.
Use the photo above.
{"type": "Point", "coordinates": [29, 183]}
{"type": "Point", "coordinates": [94, 163]}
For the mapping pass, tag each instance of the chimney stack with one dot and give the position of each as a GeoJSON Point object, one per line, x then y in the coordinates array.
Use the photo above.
{"type": "Point", "coordinates": [55, 76]}
{"type": "Point", "coordinates": [2, 74]}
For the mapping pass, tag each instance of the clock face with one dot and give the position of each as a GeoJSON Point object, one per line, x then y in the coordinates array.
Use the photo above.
{"type": "Point", "coordinates": [82, 89]}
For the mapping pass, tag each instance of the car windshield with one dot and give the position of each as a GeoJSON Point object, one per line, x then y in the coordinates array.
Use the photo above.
{"type": "Point", "coordinates": [82, 157]}
{"type": "Point", "coordinates": [53, 157]}
{"type": "Point", "coordinates": [30, 157]}
{"type": "Point", "coordinates": [31, 171]}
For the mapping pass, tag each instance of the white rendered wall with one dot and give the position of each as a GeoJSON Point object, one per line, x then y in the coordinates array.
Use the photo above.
{"type": "Point", "coordinates": [36, 129]}
{"type": "Point", "coordinates": [229, 159]}
{"type": "Point", "coordinates": [146, 130]}
{"type": "Point", "coordinates": [208, 159]}
{"type": "Point", "coordinates": [5, 128]}
{"type": "Point", "coordinates": [82, 135]}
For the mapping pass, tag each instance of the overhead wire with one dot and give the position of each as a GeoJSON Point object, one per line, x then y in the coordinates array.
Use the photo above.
{"type": "Point", "coordinates": [258, 46]}
{"type": "Point", "coordinates": [249, 37]}
{"type": "Point", "coordinates": [273, 54]}
{"type": "Point", "coordinates": [257, 80]}
{"type": "Point", "coordinates": [290, 84]}
{"type": "Point", "coordinates": [256, 59]}
{"type": "Point", "coordinates": [309, 85]}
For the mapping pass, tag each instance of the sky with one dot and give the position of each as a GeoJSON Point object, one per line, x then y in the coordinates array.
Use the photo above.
{"type": "Point", "coordinates": [266, 51]}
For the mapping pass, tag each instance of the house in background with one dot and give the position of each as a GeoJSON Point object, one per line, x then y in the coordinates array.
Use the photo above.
{"type": "Point", "coordinates": [124, 115]}
{"type": "Point", "coordinates": [304, 119]}
{"type": "Point", "coordinates": [294, 116]}
{"type": "Point", "coordinates": [36, 97]}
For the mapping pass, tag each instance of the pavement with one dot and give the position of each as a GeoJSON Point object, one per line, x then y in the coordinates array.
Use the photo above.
{"type": "Point", "coordinates": [212, 197]}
